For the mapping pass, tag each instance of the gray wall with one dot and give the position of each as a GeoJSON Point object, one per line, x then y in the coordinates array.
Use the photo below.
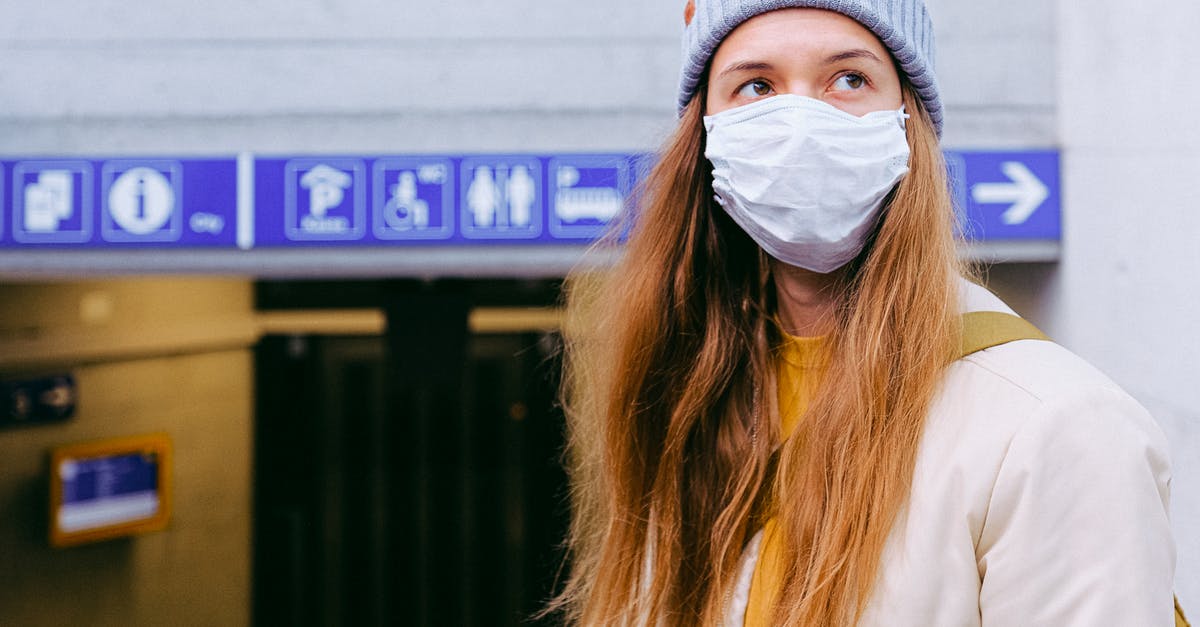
{"type": "Point", "coordinates": [318, 76]}
{"type": "Point", "coordinates": [1126, 294]}
{"type": "Point", "coordinates": [398, 75]}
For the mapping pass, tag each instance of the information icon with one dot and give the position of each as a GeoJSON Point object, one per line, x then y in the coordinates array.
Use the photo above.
{"type": "Point", "coordinates": [142, 201]}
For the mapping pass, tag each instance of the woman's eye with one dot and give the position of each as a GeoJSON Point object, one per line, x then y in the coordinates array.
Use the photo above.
{"type": "Point", "coordinates": [850, 82]}
{"type": "Point", "coordinates": [755, 89]}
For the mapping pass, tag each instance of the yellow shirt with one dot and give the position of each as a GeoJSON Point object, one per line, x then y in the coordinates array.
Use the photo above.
{"type": "Point", "coordinates": [799, 365]}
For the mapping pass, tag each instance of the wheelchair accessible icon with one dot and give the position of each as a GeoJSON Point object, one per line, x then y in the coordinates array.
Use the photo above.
{"type": "Point", "coordinates": [413, 199]}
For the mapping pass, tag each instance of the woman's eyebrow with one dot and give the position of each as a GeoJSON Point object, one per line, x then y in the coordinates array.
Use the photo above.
{"type": "Point", "coordinates": [857, 53]}
{"type": "Point", "coordinates": [758, 66]}
{"type": "Point", "coordinates": [746, 66]}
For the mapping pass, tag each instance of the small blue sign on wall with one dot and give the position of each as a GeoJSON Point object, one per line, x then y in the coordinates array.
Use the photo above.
{"type": "Point", "coordinates": [107, 489]}
{"type": "Point", "coordinates": [1008, 196]}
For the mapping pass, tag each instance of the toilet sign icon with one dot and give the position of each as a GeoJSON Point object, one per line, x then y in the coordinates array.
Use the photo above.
{"type": "Point", "coordinates": [142, 201]}
{"type": "Point", "coordinates": [501, 197]}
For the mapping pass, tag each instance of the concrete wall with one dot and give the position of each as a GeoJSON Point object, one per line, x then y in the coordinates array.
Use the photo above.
{"type": "Point", "coordinates": [318, 76]}
{"type": "Point", "coordinates": [148, 356]}
{"type": "Point", "coordinates": [1126, 294]}
{"type": "Point", "coordinates": [404, 76]}
{"type": "Point", "coordinates": [995, 61]}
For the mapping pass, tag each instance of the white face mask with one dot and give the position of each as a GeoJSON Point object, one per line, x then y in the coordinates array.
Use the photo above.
{"type": "Point", "coordinates": [803, 178]}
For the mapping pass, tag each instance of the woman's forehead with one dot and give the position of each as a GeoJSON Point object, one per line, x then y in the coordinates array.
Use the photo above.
{"type": "Point", "coordinates": [796, 32]}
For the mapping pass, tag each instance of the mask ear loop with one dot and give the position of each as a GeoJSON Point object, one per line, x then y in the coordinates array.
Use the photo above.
{"type": "Point", "coordinates": [903, 116]}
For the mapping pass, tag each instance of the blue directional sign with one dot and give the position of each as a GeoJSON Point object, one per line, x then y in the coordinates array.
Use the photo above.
{"type": "Point", "coordinates": [412, 201]}
{"type": "Point", "coordinates": [118, 203]}
{"type": "Point", "coordinates": [1008, 196]}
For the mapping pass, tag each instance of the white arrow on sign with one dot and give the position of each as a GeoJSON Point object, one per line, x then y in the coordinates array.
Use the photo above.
{"type": "Point", "coordinates": [1025, 193]}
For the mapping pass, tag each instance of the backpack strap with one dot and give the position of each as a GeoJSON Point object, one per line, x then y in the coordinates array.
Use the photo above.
{"type": "Point", "coordinates": [985, 329]}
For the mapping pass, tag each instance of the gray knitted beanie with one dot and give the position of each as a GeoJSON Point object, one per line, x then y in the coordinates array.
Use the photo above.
{"type": "Point", "coordinates": [903, 26]}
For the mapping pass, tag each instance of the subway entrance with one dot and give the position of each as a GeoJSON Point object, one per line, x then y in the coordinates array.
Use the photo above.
{"type": "Point", "coordinates": [407, 452]}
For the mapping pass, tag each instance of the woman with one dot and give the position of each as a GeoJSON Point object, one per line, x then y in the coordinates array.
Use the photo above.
{"type": "Point", "coordinates": [769, 420]}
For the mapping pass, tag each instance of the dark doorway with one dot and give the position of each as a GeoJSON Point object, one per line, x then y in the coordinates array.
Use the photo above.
{"type": "Point", "coordinates": [411, 477]}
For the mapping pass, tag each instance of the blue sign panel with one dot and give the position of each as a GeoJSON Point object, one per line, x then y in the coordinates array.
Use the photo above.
{"type": "Point", "coordinates": [1008, 196]}
{"type": "Point", "coordinates": [474, 200]}
{"type": "Point", "coordinates": [471, 200]}
{"type": "Point", "coordinates": [108, 490]}
{"type": "Point", "coordinates": [118, 203]}
{"type": "Point", "coordinates": [107, 477]}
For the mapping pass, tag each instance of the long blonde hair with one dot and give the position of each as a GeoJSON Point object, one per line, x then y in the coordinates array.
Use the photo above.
{"type": "Point", "coordinates": [667, 394]}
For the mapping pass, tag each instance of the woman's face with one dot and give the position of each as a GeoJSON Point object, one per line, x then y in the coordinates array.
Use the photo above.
{"type": "Point", "coordinates": [806, 52]}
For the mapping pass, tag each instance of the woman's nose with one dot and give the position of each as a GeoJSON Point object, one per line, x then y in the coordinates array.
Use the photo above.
{"type": "Point", "coordinates": [801, 87]}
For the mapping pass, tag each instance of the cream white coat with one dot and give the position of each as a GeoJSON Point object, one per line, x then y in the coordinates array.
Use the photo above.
{"type": "Point", "coordinates": [1039, 498]}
